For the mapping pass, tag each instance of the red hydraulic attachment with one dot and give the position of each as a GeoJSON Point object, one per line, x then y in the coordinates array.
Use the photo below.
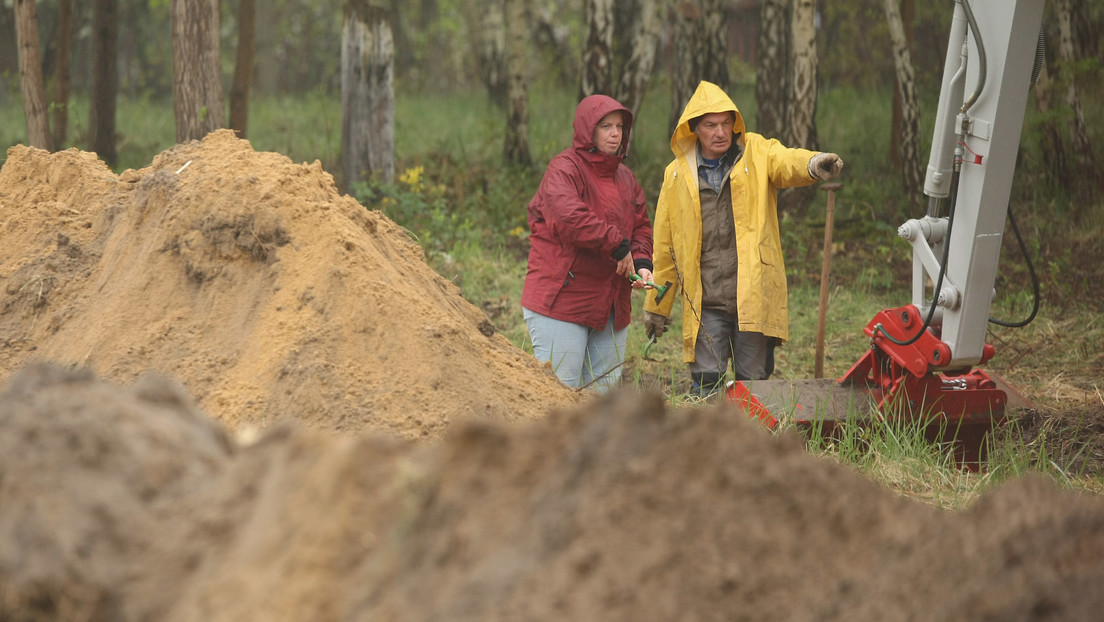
{"type": "Point", "coordinates": [891, 381]}
{"type": "Point", "coordinates": [900, 380]}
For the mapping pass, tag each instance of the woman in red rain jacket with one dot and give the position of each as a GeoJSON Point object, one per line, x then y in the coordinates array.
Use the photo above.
{"type": "Point", "coordinates": [589, 234]}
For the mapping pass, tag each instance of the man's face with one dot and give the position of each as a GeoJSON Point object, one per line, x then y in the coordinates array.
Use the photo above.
{"type": "Point", "coordinates": [607, 134]}
{"type": "Point", "coordinates": [714, 134]}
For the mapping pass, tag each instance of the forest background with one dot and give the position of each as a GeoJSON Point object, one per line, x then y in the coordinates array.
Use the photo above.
{"type": "Point", "coordinates": [465, 163]}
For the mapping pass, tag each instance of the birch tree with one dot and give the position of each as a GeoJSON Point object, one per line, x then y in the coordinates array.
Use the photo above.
{"type": "Point", "coordinates": [801, 113]}
{"type": "Point", "coordinates": [908, 13]}
{"type": "Point", "coordinates": [636, 72]}
{"type": "Point", "coordinates": [516, 149]}
{"type": "Point", "coordinates": [1083, 158]}
{"type": "Point", "coordinates": [619, 61]}
{"type": "Point", "coordinates": [597, 73]}
{"type": "Point", "coordinates": [31, 84]}
{"type": "Point", "coordinates": [700, 50]}
{"type": "Point", "coordinates": [909, 140]}
{"type": "Point", "coordinates": [197, 83]}
{"type": "Point", "coordinates": [367, 94]}
{"type": "Point", "coordinates": [492, 49]}
{"type": "Point", "coordinates": [772, 74]}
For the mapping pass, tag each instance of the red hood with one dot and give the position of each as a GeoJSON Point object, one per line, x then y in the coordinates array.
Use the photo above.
{"type": "Point", "coordinates": [587, 115]}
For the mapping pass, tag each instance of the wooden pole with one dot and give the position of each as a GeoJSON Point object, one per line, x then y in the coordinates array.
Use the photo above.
{"type": "Point", "coordinates": [825, 271]}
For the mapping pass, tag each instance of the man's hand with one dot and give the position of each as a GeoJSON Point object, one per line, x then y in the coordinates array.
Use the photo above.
{"type": "Point", "coordinates": [655, 324]}
{"type": "Point", "coordinates": [825, 166]}
{"type": "Point", "coordinates": [642, 282]}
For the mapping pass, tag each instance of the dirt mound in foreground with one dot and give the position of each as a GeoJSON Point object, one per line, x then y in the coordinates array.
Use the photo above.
{"type": "Point", "coordinates": [253, 282]}
{"type": "Point", "coordinates": [137, 508]}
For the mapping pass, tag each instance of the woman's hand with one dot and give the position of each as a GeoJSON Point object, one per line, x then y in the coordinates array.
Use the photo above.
{"type": "Point", "coordinates": [625, 266]}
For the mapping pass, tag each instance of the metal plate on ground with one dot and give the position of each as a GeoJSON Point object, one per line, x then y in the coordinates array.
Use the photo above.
{"type": "Point", "coordinates": [825, 399]}
{"type": "Point", "coordinates": [821, 399]}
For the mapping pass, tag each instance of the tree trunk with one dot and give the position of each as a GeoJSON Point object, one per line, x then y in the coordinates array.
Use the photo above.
{"type": "Point", "coordinates": [637, 70]}
{"type": "Point", "coordinates": [367, 94]}
{"type": "Point", "coordinates": [1078, 135]}
{"type": "Point", "coordinates": [801, 119]}
{"type": "Point", "coordinates": [911, 169]}
{"type": "Point", "coordinates": [105, 80]}
{"type": "Point", "coordinates": [772, 76]}
{"type": "Point", "coordinates": [516, 148]}
{"type": "Point", "coordinates": [597, 74]}
{"type": "Point", "coordinates": [197, 84]}
{"type": "Point", "coordinates": [687, 63]}
{"type": "Point", "coordinates": [61, 73]}
{"type": "Point", "coordinates": [1085, 38]}
{"type": "Point", "coordinates": [492, 49]}
{"type": "Point", "coordinates": [243, 68]}
{"type": "Point", "coordinates": [31, 83]}
{"type": "Point", "coordinates": [700, 50]}
{"type": "Point", "coordinates": [267, 64]}
{"type": "Point", "coordinates": [1053, 152]}
{"type": "Point", "coordinates": [550, 34]}
{"type": "Point", "coordinates": [713, 43]}
{"type": "Point", "coordinates": [908, 13]}
{"type": "Point", "coordinates": [403, 45]}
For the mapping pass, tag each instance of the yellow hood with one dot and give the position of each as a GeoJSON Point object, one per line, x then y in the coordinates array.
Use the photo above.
{"type": "Point", "coordinates": [707, 98]}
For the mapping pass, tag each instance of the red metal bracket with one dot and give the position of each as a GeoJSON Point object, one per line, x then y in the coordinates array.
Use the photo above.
{"type": "Point", "coordinates": [901, 378]}
{"type": "Point", "coordinates": [739, 393]}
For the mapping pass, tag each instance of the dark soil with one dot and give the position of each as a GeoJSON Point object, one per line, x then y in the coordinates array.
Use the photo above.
{"type": "Point", "coordinates": [1072, 440]}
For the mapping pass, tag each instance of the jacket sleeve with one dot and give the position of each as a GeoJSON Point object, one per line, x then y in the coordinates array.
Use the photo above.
{"type": "Point", "coordinates": [642, 225]}
{"type": "Point", "coordinates": [568, 217]}
{"type": "Point", "coordinates": [664, 265]}
{"type": "Point", "coordinates": [789, 167]}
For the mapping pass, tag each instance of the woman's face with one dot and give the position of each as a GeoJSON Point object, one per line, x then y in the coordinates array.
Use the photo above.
{"type": "Point", "coordinates": [607, 134]}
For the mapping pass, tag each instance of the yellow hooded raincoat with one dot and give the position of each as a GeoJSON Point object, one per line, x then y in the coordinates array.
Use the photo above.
{"type": "Point", "coordinates": [765, 167]}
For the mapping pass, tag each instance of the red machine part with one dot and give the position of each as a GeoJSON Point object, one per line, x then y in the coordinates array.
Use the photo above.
{"type": "Point", "coordinates": [900, 377]}
{"type": "Point", "coordinates": [894, 381]}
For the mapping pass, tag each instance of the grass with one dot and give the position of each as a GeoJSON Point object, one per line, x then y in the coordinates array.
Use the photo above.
{"type": "Point", "coordinates": [467, 209]}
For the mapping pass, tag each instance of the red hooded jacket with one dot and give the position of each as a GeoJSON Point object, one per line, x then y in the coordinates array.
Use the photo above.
{"type": "Point", "coordinates": [587, 204]}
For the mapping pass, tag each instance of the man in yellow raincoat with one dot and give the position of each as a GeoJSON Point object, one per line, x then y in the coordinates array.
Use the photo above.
{"type": "Point", "coordinates": [716, 239]}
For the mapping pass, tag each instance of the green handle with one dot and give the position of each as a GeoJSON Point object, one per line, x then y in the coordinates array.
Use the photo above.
{"type": "Point", "coordinates": [661, 290]}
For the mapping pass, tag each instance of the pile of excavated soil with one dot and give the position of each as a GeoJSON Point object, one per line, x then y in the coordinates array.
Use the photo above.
{"type": "Point", "coordinates": [128, 504]}
{"type": "Point", "coordinates": [253, 282]}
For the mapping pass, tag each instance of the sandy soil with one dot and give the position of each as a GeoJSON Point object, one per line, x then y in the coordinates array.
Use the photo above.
{"type": "Point", "coordinates": [253, 282]}
{"type": "Point", "coordinates": [228, 392]}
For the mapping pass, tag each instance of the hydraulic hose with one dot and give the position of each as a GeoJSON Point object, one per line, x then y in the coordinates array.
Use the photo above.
{"type": "Point", "coordinates": [1034, 279]}
{"type": "Point", "coordinates": [983, 68]}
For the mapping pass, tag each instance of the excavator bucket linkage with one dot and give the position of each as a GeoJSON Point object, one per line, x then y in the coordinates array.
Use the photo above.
{"type": "Point", "coordinates": [889, 382]}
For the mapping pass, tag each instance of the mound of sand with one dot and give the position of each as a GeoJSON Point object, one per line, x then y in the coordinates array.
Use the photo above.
{"type": "Point", "coordinates": [125, 505]}
{"type": "Point", "coordinates": [255, 284]}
